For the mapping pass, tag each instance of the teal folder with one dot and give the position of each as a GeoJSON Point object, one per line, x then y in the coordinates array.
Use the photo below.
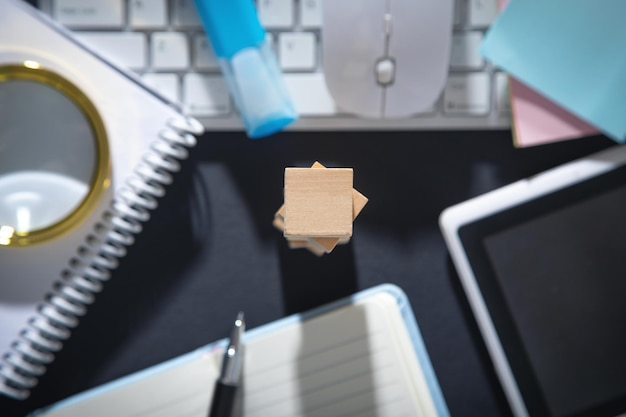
{"type": "Point", "coordinates": [362, 355]}
{"type": "Point", "coordinates": [573, 52]}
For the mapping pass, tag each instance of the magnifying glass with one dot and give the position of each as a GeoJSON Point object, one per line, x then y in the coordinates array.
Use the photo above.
{"type": "Point", "coordinates": [54, 157]}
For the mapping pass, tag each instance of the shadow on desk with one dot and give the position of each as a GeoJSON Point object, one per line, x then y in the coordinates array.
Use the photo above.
{"type": "Point", "coordinates": [409, 178]}
{"type": "Point", "coordinates": [210, 249]}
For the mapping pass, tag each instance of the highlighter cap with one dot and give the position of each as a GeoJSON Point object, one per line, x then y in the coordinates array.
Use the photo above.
{"type": "Point", "coordinates": [258, 89]}
{"type": "Point", "coordinates": [231, 25]}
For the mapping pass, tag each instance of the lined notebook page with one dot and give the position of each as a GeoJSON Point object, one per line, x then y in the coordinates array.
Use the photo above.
{"type": "Point", "coordinates": [354, 361]}
{"type": "Point", "coordinates": [180, 389]}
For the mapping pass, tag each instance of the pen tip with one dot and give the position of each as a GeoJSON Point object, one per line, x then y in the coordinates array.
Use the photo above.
{"type": "Point", "coordinates": [239, 328]}
{"type": "Point", "coordinates": [240, 321]}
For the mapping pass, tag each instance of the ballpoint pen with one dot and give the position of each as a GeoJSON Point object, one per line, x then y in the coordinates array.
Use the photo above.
{"type": "Point", "coordinates": [230, 376]}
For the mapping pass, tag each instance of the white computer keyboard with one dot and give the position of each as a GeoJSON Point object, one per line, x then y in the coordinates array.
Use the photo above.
{"type": "Point", "coordinates": [163, 41]}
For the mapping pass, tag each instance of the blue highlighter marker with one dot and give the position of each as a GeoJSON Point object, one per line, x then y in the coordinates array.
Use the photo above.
{"type": "Point", "coordinates": [248, 65]}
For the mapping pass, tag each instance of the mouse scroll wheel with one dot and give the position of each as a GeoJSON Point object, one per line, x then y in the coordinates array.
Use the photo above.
{"type": "Point", "coordinates": [385, 71]}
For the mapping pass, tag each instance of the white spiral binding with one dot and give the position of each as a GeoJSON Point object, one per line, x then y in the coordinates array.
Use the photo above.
{"type": "Point", "coordinates": [60, 312]}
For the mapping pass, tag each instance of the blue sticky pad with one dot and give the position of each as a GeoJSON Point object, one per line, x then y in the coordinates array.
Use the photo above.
{"type": "Point", "coordinates": [573, 52]}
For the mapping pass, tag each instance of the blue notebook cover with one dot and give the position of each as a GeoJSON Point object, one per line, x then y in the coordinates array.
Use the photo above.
{"type": "Point", "coordinates": [323, 317]}
{"type": "Point", "coordinates": [572, 52]}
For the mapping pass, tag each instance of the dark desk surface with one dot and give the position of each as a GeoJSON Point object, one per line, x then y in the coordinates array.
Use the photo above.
{"type": "Point", "coordinates": [210, 250]}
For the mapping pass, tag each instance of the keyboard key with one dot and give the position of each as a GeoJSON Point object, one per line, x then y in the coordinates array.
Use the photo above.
{"type": "Point", "coordinates": [84, 14]}
{"type": "Point", "coordinates": [276, 14]}
{"type": "Point", "coordinates": [310, 95]}
{"type": "Point", "coordinates": [206, 95]}
{"type": "Point", "coordinates": [311, 14]}
{"type": "Point", "coordinates": [123, 48]}
{"type": "Point", "coordinates": [482, 13]}
{"type": "Point", "coordinates": [464, 51]}
{"type": "Point", "coordinates": [297, 51]}
{"type": "Point", "coordinates": [503, 96]}
{"type": "Point", "coordinates": [467, 94]}
{"type": "Point", "coordinates": [458, 13]}
{"type": "Point", "coordinates": [170, 51]}
{"type": "Point", "coordinates": [147, 13]}
{"type": "Point", "coordinates": [184, 14]}
{"type": "Point", "coordinates": [204, 57]}
{"type": "Point", "coordinates": [166, 84]}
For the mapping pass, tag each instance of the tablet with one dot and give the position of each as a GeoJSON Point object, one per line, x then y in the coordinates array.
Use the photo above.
{"type": "Point", "coordinates": [543, 264]}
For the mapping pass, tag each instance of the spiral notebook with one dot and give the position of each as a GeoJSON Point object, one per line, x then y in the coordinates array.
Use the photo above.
{"type": "Point", "coordinates": [363, 355]}
{"type": "Point", "coordinates": [86, 150]}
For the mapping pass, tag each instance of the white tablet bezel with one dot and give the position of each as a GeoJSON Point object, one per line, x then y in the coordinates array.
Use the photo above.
{"type": "Point", "coordinates": [497, 201]}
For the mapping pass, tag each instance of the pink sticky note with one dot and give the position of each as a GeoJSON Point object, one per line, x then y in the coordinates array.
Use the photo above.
{"type": "Point", "coordinates": [538, 120]}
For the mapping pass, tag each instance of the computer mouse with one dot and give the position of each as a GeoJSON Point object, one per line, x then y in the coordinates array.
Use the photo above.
{"type": "Point", "coordinates": [386, 58]}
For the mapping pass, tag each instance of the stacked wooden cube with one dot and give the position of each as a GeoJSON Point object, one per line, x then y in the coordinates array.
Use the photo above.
{"type": "Point", "coordinates": [319, 208]}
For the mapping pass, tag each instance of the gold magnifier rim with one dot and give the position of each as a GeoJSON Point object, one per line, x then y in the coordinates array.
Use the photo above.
{"type": "Point", "coordinates": [32, 71]}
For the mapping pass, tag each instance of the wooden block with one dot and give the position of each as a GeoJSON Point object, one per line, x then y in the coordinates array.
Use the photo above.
{"type": "Point", "coordinates": [328, 243]}
{"type": "Point", "coordinates": [318, 245]}
{"type": "Point", "coordinates": [279, 224]}
{"type": "Point", "coordinates": [318, 202]}
{"type": "Point", "coordinates": [315, 248]}
{"type": "Point", "coordinates": [281, 212]}
{"type": "Point", "coordinates": [298, 243]}
{"type": "Point", "coordinates": [279, 219]}
{"type": "Point", "coordinates": [358, 202]}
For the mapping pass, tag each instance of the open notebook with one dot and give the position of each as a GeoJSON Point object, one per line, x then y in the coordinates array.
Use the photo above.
{"type": "Point", "coordinates": [359, 356]}
{"type": "Point", "coordinates": [86, 150]}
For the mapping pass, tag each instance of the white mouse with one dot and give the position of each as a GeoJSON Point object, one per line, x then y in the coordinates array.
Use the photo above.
{"type": "Point", "coordinates": [386, 58]}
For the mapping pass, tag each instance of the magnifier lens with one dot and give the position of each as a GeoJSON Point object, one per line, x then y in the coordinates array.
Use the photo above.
{"type": "Point", "coordinates": [49, 153]}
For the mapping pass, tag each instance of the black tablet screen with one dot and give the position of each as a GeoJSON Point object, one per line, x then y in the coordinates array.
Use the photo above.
{"type": "Point", "coordinates": [553, 272]}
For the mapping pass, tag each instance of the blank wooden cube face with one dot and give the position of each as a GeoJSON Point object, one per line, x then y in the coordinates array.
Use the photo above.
{"type": "Point", "coordinates": [318, 202]}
